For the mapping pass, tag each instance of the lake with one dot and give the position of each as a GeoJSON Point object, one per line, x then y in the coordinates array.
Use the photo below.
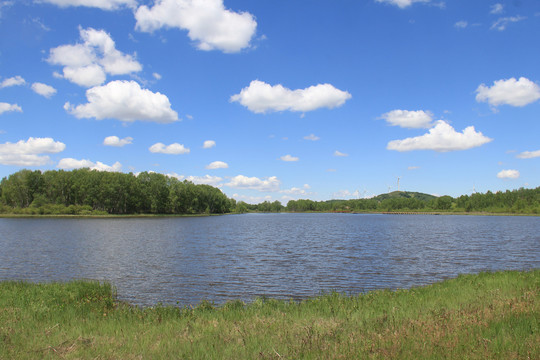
{"type": "Point", "coordinates": [183, 260]}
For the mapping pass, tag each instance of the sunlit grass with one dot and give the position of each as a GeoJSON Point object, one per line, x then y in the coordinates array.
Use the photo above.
{"type": "Point", "coordinates": [484, 316]}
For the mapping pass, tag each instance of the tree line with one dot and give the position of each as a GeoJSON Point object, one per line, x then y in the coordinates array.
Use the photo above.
{"type": "Point", "coordinates": [522, 201]}
{"type": "Point", "coordinates": [85, 191]}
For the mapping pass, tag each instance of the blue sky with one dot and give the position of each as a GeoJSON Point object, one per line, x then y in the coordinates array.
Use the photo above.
{"type": "Point", "coordinates": [276, 100]}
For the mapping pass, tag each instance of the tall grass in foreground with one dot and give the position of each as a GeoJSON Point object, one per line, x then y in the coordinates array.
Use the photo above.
{"type": "Point", "coordinates": [484, 316]}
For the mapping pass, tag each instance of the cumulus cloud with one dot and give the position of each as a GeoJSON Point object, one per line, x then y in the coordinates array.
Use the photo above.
{"type": "Point", "coordinates": [43, 89]}
{"type": "Point", "coordinates": [312, 137]}
{"type": "Point", "coordinates": [270, 184]}
{"type": "Point", "coordinates": [116, 141]}
{"type": "Point", "coordinates": [502, 23]}
{"type": "Point", "coordinates": [88, 63]}
{"type": "Point", "coordinates": [217, 165]}
{"type": "Point", "coordinates": [208, 23]}
{"type": "Point", "coordinates": [402, 4]}
{"type": "Point", "coordinates": [346, 194]}
{"type": "Point", "coordinates": [70, 164]}
{"type": "Point", "coordinates": [496, 9]}
{"type": "Point", "coordinates": [173, 149]}
{"type": "Point", "coordinates": [260, 97]}
{"type": "Point", "coordinates": [509, 92]}
{"type": "Point", "coordinates": [124, 101]}
{"type": "Point", "coordinates": [340, 154]}
{"type": "Point", "coordinates": [409, 119]}
{"type": "Point", "coordinates": [86, 76]}
{"type": "Point", "coordinates": [252, 199]}
{"type": "Point", "coordinates": [205, 180]}
{"type": "Point", "coordinates": [508, 174]}
{"type": "Point", "coordinates": [156, 76]}
{"type": "Point", "coordinates": [101, 4]}
{"type": "Point", "coordinates": [528, 154]}
{"type": "Point", "coordinates": [29, 152]}
{"type": "Point", "coordinates": [461, 24]}
{"type": "Point", "coordinates": [12, 81]}
{"type": "Point", "coordinates": [442, 138]}
{"type": "Point", "coordinates": [5, 107]}
{"type": "Point", "coordinates": [289, 158]}
{"type": "Point", "coordinates": [296, 191]}
{"type": "Point", "coordinates": [208, 144]}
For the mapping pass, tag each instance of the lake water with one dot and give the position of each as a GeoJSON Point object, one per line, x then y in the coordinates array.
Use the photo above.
{"type": "Point", "coordinates": [220, 258]}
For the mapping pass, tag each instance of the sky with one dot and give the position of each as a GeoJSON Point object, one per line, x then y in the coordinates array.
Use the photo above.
{"type": "Point", "coordinates": [276, 99]}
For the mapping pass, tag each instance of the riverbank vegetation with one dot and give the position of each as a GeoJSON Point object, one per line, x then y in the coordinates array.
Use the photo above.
{"type": "Point", "coordinates": [91, 192]}
{"type": "Point", "coordinates": [522, 201]}
{"type": "Point", "coordinates": [483, 316]}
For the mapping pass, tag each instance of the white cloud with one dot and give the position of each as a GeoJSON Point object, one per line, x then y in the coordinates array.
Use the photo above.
{"type": "Point", "coordinates": [86, 64]}
{"type": "Point", "coordinates": [12, 81]}
{"type": "Point", "coordinates": [28, 153]}
{"type": "Point", "coordinates": [461, 24]}
{"type": "Point", "coordinates": [101, 4]}
{"type": "Point", "coordinates": [413, 168]}
{"type": "Point", "coordinates": [116, 141]}
{"type": "Point", "coordinates": [260, 97]}
{"type": "Point", "coordinates": [496, 9]}
{"type": "Point", "coordinates": [509, 92]}
{"type": "Point", "coordinates": [156, 76]}
{"type": "Point", "coordinates": [173, 149]}
{"type": "Point", "coordinates": [70, 163]}
{"type": "Point", "coordinates": [529, 154]}
{"type": "Point", "coordinates": [208, 144]}
{"type": "Point", "coordinates": [252, 199]}
{"type": "Point", "coordinates": [409, 119]}
{"type": "Point", "coordinates": [124, 101]}
{"type": "Point", "coordinates": [296, 191]}
{"type": "Point", "coordinates": [5, 107]}
{"type": "Point", "coordinates": [312, 137]}
{"type": "Point", "coordinates": [340, 154]}
{"type": "Point", "coordinates": [346, 194]}
{"type": "Point", "coordinates": [402, 4]}
{"type": "Point", "coordinates": [208, 23]}
{"type": "Point", "coordinates": [217, 165]}
{"type": "Point", "coordinates": [270, 184]}
{"type": "Point", "coordinates": [442, 138]}
{"type": "Point", "coordinates": [508, 174]}
{"type": "Point", "coordinates": [289, 158]}
{"type": "Point", "coordinates": [205, 180]}
{"type": "Point", "coordinates": [87, 76]}
{"type": "Point", "coordinates": [43, 89]}
{"type": "Point", "coordinates": [502, 23]}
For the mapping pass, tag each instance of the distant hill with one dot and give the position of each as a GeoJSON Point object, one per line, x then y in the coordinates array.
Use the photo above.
{"type": "Point", "coordinates": [405, 194]}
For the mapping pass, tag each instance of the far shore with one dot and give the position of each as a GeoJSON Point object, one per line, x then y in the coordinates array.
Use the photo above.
{"type": "Point", "coordinates": [128, 216]}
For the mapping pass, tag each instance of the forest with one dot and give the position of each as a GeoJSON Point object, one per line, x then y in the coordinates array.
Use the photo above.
{"type": "Point", "coordinates": [92, 192]}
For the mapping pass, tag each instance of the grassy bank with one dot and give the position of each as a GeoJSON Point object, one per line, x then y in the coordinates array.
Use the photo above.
{"type": "Point", "coordinates": [484, 316]}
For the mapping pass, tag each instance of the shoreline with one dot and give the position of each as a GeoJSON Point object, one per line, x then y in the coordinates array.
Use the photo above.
{"type": "Point", "coordinates": [489, 315]}
{"type": "Point", "coordinates": [128, 216]}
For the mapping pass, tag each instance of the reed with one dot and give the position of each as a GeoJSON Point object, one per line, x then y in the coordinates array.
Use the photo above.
{"type": "Point", "coordinates": [482, 316]}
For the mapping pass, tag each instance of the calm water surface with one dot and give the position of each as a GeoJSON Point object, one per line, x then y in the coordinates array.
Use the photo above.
{"type": "Point", "coordinates": [185, 260]}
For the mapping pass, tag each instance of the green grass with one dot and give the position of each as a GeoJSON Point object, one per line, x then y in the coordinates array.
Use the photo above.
{"type": "Point", "coordinates": [483, 316]}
